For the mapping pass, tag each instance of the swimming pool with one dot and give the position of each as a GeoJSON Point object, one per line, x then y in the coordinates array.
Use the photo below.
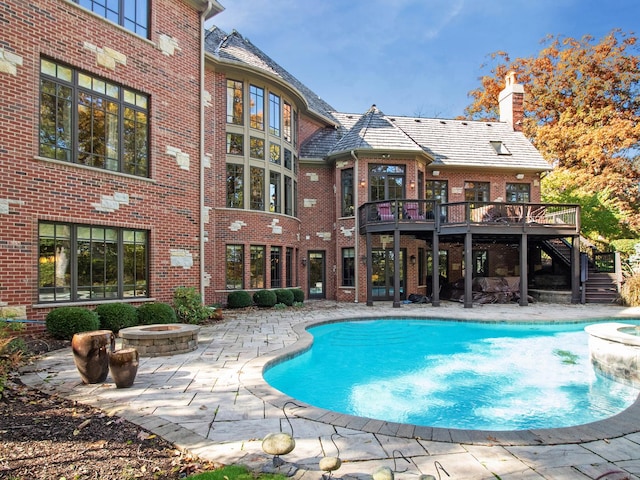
{"type": "Point", "coordinates": [452, 374]}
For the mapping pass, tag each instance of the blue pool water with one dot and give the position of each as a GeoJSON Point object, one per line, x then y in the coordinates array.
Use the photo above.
{"type": "Point", "coordinates": [453, 374]}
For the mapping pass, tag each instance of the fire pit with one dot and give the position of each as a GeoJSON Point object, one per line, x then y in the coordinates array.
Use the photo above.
{"type": "Point", "coordinates": [162, 339]}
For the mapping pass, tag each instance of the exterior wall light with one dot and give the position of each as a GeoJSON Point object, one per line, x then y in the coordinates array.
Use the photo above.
{"type": "Point", "coordinates": [435, 173]}
{"type": "Point", "coordinates": [520, 176]}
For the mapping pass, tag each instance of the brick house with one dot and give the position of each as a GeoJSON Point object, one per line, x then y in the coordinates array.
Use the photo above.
{"type": "Point", "coordinates": [100, 156]}
{"type": "Point", "coordinates": [338, 203]}
{"type": "Point", "coordinates": [141, 153]}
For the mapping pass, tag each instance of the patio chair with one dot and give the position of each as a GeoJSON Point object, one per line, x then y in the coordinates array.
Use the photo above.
{"type": "Point", "coordinates": [384, 212]}
{"type": "Point", "coordinates": [412, 211]}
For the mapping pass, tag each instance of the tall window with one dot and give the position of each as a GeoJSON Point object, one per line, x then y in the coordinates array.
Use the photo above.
{"type": "Point", "coordinates": [256, 95]}
{"type": "Point", "coordinates": [235, 267]}
{"type": "Point", "coordinates": [276, 267]}
{"type": "Point", "coordinates": [348, 267]}
{"type": "Point", "coordinates": [386, 182]}
{"type": "Point", "coordinates": [256, 266]}
{"type": "Point", "coordinates": [235, 102]}
{"type": "Point", "coordinates": [288, 158]}
{"type": "Point", "coordinates": [476, 191]}
{"type": "Point", "coordinates": [289, 267]}
{"type": "Point", "coordinates": [235, 144]}
{"type": "Point", "coordinates": [346, 183]}
{"type": "Point", "coordinates": [89, 121]}
{"type": "Point", "coordinates": [257, 189]}
{"type": "Point", "coordinates": [288, 121]}
{"type": "Point", "coordinates": [288, 196]}
{"type": "Point", "coordinates": [518, 192]}
{"type": "Point", "coordinates": [274, 192]}
{"type": "Point", "coordinates": [131, 14]}
{"type": "Point", "coordinates": [81, 262]}
{"type": "Point", "coordinates": [256, 148]}
{"type": "Point", "coordinates": [274, 153]}
{"type": "Point", "coordinates": [274, 115]}
{"type": "Point", "coordinates": [235, 182]}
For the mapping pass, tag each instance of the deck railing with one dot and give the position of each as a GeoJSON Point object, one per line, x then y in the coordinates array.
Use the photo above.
{"type": "Point", "coordinates": [469, 213]}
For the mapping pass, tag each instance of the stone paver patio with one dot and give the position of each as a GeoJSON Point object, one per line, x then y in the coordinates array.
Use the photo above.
{"type": "Point", "coordinates": [214, 403]}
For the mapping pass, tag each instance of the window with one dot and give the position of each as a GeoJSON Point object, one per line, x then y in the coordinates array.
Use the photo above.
{"type": "Point", "coordinates": [289, 266]}
{"type": "Point", "coordinates": [256, 95]}
{"type": "Point", "coordinates": [346, 182]}
{"type": "Point", "coordinates": [274, 153]}
{"type": "Point", "coordinates": [235, 143]}
{"type": "Point", "coordinates": [288, 121]}
{"type": "Point", "coordinates": [500, 148]}
{"type": "Point", "coordinates": [89, 121]}
{"type": "Point", "coordinates": [256, 148]}
{"type": "Point", "coordinates": [274, 192]}
{"type": "Point", "coordinates": [257, 189]}
{"type": "Point", "coordinates": [131, 14]}
{"type": "Point", "coordinates": [436, 190]}
{"type": "Point", "coordinates": [276, 267]}
{"type": "Point", "coordinates": [287, 158]}
{"type": "Point", "coordinates": [288, 196]}
{"type": "Point", "coordinates": [518, 192]}
{"type": "Point", "coordinates": [274, 115]}
{"type": "Point", "coordinates": [443, 268]}
{"type": "Point", "coordinates": [235, 182]}
{"type": "Point", "coordinates": [235, 102]}
{"type": "Point", "coordinates": [386, 182]}
{"type": "Point", "coordinates": [348, 267]}
{"type": "Point", "coordinates": [476, 191]}
{"type": "Point", "coordinates": [256, 266]}
{"type": "Point", "coordinates": [83, 262]}
{"type": "Point", "coordinates": [235, 267]}
{"type": "Point", "coordinates": [480, 263]}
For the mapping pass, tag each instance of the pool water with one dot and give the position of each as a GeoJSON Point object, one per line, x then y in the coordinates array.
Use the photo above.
{"type": "Point", "coordinates": [449, 374]}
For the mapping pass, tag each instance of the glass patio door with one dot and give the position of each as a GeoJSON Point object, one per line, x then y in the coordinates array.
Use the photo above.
{"type": "Point", "coordinates": [316, 281]}
{"type": "Point", "coordinates": [382, 277]}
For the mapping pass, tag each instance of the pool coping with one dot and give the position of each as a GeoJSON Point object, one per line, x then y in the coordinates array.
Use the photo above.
{"type": "Point", "coordinates": [251, 378]}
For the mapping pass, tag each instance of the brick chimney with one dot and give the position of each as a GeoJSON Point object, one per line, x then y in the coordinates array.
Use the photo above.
{"type": "Point", "coordinates": [511, 101]}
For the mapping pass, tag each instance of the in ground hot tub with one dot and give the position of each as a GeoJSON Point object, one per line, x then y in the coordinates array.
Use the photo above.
{"type": "Point", "coordinates": [161, 339]}
{"type": "Point", "coordinates": [615, 351]}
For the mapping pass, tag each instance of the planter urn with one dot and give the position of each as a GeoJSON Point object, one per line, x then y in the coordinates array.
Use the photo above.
{"type": "Point", "coordinates": [123, 365]}
{"type": "Point", "coordinates": [91, 354]}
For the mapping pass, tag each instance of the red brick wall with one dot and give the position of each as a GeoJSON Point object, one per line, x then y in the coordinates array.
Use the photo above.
{"type": "Point", "coordinates": [167, 204]}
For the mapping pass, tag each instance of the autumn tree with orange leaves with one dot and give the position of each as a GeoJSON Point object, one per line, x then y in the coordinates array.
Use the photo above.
{"type": "Point", "coordinates": [582, 112]}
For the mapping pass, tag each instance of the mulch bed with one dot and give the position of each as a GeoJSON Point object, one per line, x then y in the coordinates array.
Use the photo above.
{"type": "Point", "coordinates": [48, 437]}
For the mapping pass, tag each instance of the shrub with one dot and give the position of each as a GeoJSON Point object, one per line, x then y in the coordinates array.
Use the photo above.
{"type": "Point", "coordinates": [188, 304]}
{"type": "Point", "coordinates": [265, 298]}
{"type": "Point", "coordinates": [630, 291]}
{"type": "Point", "coordinates": [114, 316]}
{"type": "Point", "coordinates": [280, 306]}
{"type": "Point", "coordinates": [298, 295]}
{"type": "Point", "coordinates": [150, 313]}
{"type": "Point", "coordinates": [284, 296]}
{"type": "Point", "coordinates": [65, 322]}
{"type": "Point", "coordinates": [239, 299]}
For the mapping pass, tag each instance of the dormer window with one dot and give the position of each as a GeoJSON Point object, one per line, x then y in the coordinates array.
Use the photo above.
{"type": "Point", "coordinates": [500, 148]}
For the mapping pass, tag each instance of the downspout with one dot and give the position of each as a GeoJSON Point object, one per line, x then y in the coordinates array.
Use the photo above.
{"type": "Point", "coordinates": [203, 17]}
{"type": "Point", "coordinates": [356, 236]}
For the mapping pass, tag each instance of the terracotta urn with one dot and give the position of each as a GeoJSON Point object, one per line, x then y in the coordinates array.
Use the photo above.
{"type": "Point", "coordinates": [123, 365]}
{"type": "Point", "coordinates": [91, 354]}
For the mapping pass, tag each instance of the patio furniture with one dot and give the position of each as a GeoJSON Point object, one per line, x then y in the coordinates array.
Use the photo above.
{"type": "Point", "coordinates": [412, 211]}
{"type": "Point", "coordinates": [384, 212]}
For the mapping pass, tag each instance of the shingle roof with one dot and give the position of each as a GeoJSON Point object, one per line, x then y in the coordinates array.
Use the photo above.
{"type": "Point", "coordinates": [236, 49]}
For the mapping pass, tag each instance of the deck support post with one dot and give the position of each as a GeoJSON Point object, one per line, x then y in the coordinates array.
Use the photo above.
{"type": "Point", "coordinates": [369, 272]}
{"type": "Point", "coordinates": [524, 270]}
{"type": "Point", "coordinates": [396, 267]}
{"type": "Point", "coordinates": [435, 273]}
{"type": "Point", "coordinates": [575, 269]}
{"type": "Point", "coordinates": [468, 270]}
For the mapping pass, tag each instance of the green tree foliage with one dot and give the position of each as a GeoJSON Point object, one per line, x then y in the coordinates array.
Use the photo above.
{"type": "Point", "coordinates": [582, 111]}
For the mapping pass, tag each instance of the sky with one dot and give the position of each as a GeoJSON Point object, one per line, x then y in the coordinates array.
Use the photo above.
{"type": "Point", "coordinates": [410, 57]}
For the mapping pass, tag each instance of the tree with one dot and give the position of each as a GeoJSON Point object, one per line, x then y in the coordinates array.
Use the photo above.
{"type": "Point", "coordinates": [582, 112]}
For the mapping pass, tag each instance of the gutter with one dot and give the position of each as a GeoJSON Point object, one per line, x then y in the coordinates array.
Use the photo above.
{"type": "Point", "coordinates": [203, 17]}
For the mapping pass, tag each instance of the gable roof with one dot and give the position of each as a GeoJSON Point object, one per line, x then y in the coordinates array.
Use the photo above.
{"type": "Point", "coordinates": [232, 48]}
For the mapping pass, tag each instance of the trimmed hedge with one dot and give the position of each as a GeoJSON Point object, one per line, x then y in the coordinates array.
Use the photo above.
{"type": "Point", "coordinates": [156, 312]}
{"type": "Point", "coordinates": [65, 322]}
{"type": "Point", "coordinates": [239, 299]}
{"type": "Point", "coordinates": [114, 316]}
{"type": "Point", "coordinates": [284, 296]}
{"type": "Point", "coordinates": [265, 298]}
{"type": "Point", "coordinates": [298, 295]}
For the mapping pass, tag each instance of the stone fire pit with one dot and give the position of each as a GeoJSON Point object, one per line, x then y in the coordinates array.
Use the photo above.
{"type": "Point", "coordinates": [161, 339]}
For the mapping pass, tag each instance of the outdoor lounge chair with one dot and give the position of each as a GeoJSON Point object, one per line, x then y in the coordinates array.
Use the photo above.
{"type": "Point", "coordinates": [412, 211]}
{"type": "Point", "coordinates": [384, 212]}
